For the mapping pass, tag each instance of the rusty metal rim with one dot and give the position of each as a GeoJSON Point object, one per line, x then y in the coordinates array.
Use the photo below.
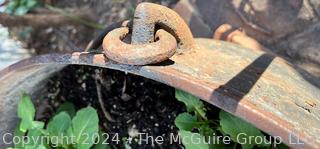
{"type": "Point", "coordinates": [264, 120]}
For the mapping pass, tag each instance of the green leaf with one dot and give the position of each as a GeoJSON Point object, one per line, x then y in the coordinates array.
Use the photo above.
{"type": "Point", "coordinates": [189, 100]}
{"type": "Point", "coordinates": [18, 134]}
{"type": "Point", "coordinates": [25, 125]}
{"type": "Point", "coordinates": [209, 133]}
{"type": "Point", "coordinates": [186, 121]}
{"type": "Point", "coordinates": [35, 138]}
{"type": "Point", "coordinates": [41, 147]}
{"type": "Point", "coordinates": [192, 103]}
{"type": "Point", "coordinates": [59, 124]}
{"type": "Point", "coordinates": [85, 125]}
{"type": "Point", "coordinates": [11, 6]}
{"type": "Point", "coordinates": [101, 144]}
{"type": "Point", "coordinates": [58, 127]}
{"type": "Point", "coordinates": [126, 143]}
{"type": "Point", "coordinates": [37, 147]}
{"type": "Point", "coordinates": [21, 7]}
{"type": "Point", "coordinates": [220, 129]}
{"type": "Point", "coordinates": [21, 10]}
{"type": "Point", "coordinates": [239, 130]}
{"type": "Point", "coordinates": [282, 146]}
{"type": "Point", "coordinates": [193, 140]}
{"type": "Point", "coordinates": [31, 4]}
{"type": "Point", "coordinates": [37, 125]}
{"type": "Point", "coordinates": [206, 131]}
{"type": "Point", "coordinates": [67, 107]}
{"type": "Point", "coordinates": [29, 147]}
{"type": "Point", "coordinates": [26, 113]}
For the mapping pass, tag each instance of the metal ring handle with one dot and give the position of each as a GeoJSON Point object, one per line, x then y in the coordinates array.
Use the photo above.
{"type": "Point", "coordinates": [138, 54]}
{"type": "Point", "coordinates": [147, 16]}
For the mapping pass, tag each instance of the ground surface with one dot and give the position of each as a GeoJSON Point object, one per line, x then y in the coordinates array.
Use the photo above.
{"type": "Point", "coordinates": [136, 104]}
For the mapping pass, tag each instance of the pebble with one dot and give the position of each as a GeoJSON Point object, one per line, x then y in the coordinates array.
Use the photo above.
{"type": "Point", "coordinates": [133, 131]}
{"type": "Point", "coordinates": [125, 97]}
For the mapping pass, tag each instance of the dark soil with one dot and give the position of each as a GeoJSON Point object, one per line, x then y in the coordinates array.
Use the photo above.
{"type": "Point", "coordinates": [135, 103]}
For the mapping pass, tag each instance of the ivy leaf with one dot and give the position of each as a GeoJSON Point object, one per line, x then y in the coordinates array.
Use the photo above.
{"type": "Point", "coordinates": [26, 113]}
{"type": "Point", "coordinates": [239, 130]}
{"type": "Point", "coordinates": [186, 121]}
{"type": "Point", "coordinates": [193, 140]}
{"type": "Point", "coordinates": [192, 103]}
{"type": "Point", "coordinates": [84, 127]}
{"type": "Point", "coordinates": [58, 127]}
{"type": "Point", "coordinates": [67, 107]}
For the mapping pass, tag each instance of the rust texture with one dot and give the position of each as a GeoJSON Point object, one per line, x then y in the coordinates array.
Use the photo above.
{"type": "Point", "coordinates": [263, 89]}
{"type": "Point", "coordinates": [147, 16]}
{"type": "Point", "coordinates": [138, 54]}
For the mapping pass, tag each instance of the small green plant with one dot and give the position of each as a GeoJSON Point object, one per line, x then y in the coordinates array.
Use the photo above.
{"type": "Point", "coordinates": [196, 127]}
{"type": "Point", "coordinates": [21, 7]}
{"type": "Point", "coordinates": [126, 143]}
{"type": "Point", "coordinates": [68, 129]}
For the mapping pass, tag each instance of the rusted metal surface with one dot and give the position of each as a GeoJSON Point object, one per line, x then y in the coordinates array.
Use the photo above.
{"type": "Point", "coordinates": [263, 89]}
{"type": "Point", "coordinates": [97, 42]}
{"type": "Point", "coordinates": [147, 16]}
{"type": "Point", "coordinates": [138, 54]}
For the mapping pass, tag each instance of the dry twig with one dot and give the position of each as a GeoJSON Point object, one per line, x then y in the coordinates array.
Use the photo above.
{"type": "Point", "coordinates": [105, 112]}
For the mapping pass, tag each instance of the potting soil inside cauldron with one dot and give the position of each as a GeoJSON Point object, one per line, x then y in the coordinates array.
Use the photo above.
{"type": "Point", "coordinates": [135, 103]}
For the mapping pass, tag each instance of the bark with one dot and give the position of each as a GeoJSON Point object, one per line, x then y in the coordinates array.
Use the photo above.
{"type": "Point", "coordinates": [42, 19]}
